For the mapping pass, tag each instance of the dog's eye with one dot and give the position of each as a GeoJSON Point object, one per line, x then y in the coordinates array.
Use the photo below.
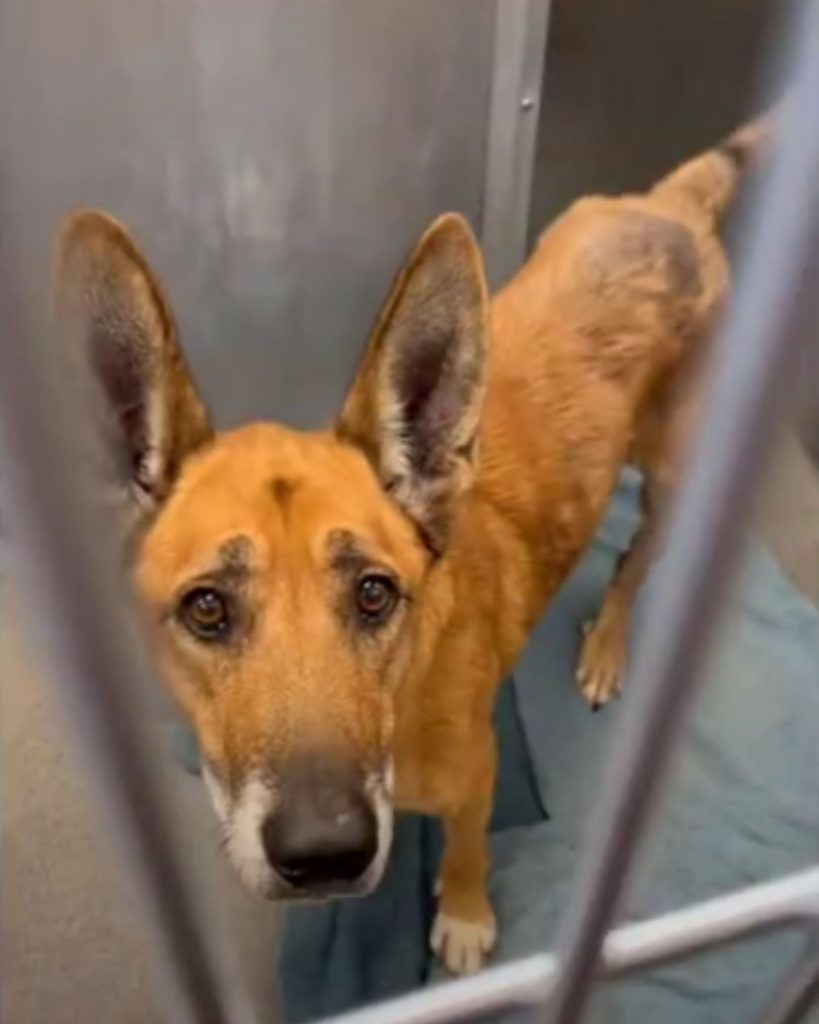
{"type": "Point", "coordinates": [205, 613]}
{"type": "Point", "coordinates": [376, 597]}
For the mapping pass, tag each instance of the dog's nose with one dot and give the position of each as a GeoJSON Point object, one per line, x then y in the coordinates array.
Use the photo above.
{"type": "Point", "coordinates": [313, 847]}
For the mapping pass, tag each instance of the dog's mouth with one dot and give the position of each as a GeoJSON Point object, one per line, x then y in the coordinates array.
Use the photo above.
{"type": "Point", "coordinates": [282, 891]}
{"type": "Point", "coordinates": [290, 857]}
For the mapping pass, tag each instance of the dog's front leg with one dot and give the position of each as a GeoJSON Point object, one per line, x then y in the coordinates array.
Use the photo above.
{"type": "Point", "coordinates": [464, 930]}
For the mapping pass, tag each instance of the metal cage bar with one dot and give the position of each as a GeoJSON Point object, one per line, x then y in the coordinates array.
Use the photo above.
{"type": "Point", "coordinates": [99, 668]}
{"type": "Point", "coordinates": [754, 362]}
{"type": "Point", "coordinates": [799, 991]}
{"type": "Point", "coordinates": [774, 905]}
{"type": "Point", "coordinates": [68, 568]}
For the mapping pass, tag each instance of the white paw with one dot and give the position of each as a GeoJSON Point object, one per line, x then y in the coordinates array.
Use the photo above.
{"type": "Point", "coordinates": [600, 666]}
{"type": "Point", "coordinates": [462, 945]}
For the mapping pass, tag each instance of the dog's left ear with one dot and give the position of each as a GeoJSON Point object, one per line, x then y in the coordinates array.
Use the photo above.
{"type": "Point", "coordinates": [415, 405]}
{"type": "Point", "coordinates": [110, 314]}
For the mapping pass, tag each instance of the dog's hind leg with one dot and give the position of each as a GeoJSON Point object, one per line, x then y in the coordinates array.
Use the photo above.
{"type": "Point", "coordinates": [659, 449]}
{"type": "Point", "coordinates": [464, 931]}
{"type": "Point", "coordinates": [604, 650]}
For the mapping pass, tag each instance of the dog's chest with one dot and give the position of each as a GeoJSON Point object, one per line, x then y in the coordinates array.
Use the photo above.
{"type": "Point", "coordinates": [431, 763]}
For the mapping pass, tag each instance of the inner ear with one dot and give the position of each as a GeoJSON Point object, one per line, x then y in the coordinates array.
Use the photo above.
{"type": "Point", "coordinates": [415, 404]}
{"type": "Point", "coordinates": [110, 310]}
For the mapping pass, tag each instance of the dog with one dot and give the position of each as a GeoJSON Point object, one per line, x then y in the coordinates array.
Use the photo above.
{"type": "Point", "coordinates": [334, 611]}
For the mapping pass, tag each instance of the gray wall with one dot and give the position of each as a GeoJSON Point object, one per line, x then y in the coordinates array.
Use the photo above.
{"type": "Point", "coordinates": [276, 158]}
{"type": "Point", "coordinates": [632, 87]}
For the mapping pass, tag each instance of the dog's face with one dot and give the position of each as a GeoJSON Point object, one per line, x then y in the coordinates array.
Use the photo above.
{"type": "Point", "coordinates": [284, 574]}
{"type": "Point", "coordinates": [284, 584]}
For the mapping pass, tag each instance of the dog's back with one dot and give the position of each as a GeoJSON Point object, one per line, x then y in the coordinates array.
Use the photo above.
{"type": "Point", "coordinates": [594, 341]}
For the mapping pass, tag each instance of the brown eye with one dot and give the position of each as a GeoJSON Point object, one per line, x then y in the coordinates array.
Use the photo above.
{"type": "Point", "coordinates": [204, 612]}
{"type": "Point", "coordinates": [376, 597]}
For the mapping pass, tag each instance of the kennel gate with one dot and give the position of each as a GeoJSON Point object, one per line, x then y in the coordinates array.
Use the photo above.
{"type": "Point", "coordinates": [76, 586]}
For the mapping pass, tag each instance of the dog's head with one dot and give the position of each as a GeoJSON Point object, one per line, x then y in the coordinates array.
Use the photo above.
{"type": "Point", "coordinates": [287, 577]}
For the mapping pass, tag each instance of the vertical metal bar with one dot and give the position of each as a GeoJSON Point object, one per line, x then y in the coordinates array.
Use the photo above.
{"type": "Point", "coordinates": [67, 563]}
{"type": "Point", "coordinates": [750, 377]}
{"type": "Point", "coordinates": [798, 992]}
{"type": "Point", "coordinates": [517, 71]}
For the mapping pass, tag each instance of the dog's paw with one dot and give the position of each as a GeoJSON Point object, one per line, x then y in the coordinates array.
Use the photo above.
{"type": "Point", "coordinates": [462, 946]}
{"type": "Point", "coordinates": [601, 663]}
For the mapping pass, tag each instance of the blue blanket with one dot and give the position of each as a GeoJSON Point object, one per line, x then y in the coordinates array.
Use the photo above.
{"type": "Point", "coordinates": [743, 807]}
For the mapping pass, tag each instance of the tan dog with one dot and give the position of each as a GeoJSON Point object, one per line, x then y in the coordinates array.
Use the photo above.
{"type": "Point", "coordinates": [334, 611]}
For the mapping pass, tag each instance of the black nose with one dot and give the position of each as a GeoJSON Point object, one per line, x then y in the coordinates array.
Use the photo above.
{"type": "Point", "coordinates": [315, 844]}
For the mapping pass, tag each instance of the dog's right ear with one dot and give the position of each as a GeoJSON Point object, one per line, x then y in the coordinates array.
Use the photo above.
{"type": "Point", "coordinates": [414, 407]}
{"type": "Point", "coordinates": [109, 308]}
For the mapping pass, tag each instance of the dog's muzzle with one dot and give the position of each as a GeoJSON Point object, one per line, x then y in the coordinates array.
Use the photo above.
{"type": "Point", "coordinates": [317, 832]}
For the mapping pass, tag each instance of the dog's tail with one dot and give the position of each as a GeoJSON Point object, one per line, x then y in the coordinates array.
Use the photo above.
{"type": "Point", "coordinates": [712, 180]}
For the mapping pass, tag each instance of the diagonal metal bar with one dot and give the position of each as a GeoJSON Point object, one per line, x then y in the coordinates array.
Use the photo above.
{"type": "Point", "coordinates": [799, 992]}
{"type": "Point", "coordinates": [789, 901]}
{"type": "Point", "coordinates": [753, 365]}
{"type": "Point", "coordinates": [67, 566]}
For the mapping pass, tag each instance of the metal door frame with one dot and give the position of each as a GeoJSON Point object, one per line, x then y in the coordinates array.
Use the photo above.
{"type": "Point", "coordinates": [519, 53]}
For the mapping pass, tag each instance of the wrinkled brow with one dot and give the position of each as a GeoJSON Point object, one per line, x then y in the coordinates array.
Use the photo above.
{"type": "Point", "coordinates": [348, 553]}
{"type": "Point", "coordinates": [233, 563]}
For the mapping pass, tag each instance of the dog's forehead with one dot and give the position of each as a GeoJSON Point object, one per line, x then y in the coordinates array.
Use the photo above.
{"type": "Point", "coordinates": [257, 463]}
{"type": "Point", "coordinates": [276, 490]}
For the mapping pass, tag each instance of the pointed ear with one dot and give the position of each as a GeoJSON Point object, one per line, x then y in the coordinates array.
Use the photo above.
{"type": "Point", "coordinates": [109, 308]}
{"type": "Point", "coordinates": [415, 405]}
